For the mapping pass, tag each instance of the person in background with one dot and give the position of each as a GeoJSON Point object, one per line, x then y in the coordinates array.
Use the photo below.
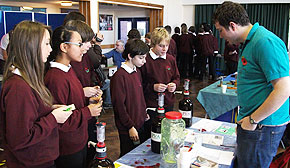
{"type": "Point", "coordinates": [208, 51]}
{"type": "Point", "coordinates": [172, 49]}
{"type": "Point", "coordinates": [95, 54]}
{"type": "Point", "coordinates": [134, 33]}
{"type": "Point", "coordinates": [29, 121]}
{"type": "Point", "coordinates": [116, 53]}
{"type": "Point", "coordinates": [176, 37]}
{"type": "Point", "coordinates": [263, 85]}
{"type": "Point", "coordinates": [199, 60]}
{"type": "Point", "coordinates": [65, 87]}
{"type": "Point", "coordinates": [3, 49]}
{"type": "Point", "coordinates": [192, 32]}
{"type": "Point", "coordinates": [148, 39]}
{"type": "Point", "coordinates": [160, 73]}
{"type": "Point", "coordinates": [126, 90]}
{"type": "Point", "coordinates": [186, 52]}
{"type": "Point", "coordinates": [74, 16]}
{"type": "Point", "coordinates": [231, 56]}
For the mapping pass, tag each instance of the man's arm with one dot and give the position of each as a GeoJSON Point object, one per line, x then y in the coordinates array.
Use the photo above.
{"type": "Point", "coordinates": [275, 100]}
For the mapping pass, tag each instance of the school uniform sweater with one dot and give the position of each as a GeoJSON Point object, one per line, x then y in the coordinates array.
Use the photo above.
{"type": "Point", "coordinates": [172, 49]}
{"type": "Point", "coordinates": [67, 89]}
{"type": "Point", "coordinates": [160, 70]}
{"type": "Point", "coordinates": [128, 100]}
{"type": "Point", "coordinates": [186, 44]}
{"type": "Point", "coordinates": [208, 45]}
{"type": "Point", "coordinates": [84, 70]}
{"type": "Point", "coordinates": [28, 127]}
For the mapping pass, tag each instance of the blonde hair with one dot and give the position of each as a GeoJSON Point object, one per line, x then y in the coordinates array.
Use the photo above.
{"type": "Point", "coordinates": [158, 35]}
{"type": "Point", "coordinates": [24, 53]}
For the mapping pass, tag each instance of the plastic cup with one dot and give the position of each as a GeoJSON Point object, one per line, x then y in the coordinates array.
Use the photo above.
{"type": "Point", "coordinates": [224, 88]}
{"type": "Point", "coordinates": [185, 158]}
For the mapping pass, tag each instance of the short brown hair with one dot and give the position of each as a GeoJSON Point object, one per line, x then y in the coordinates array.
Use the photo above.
{"type": "Point", "coordinates": [158, 35]}
{"type": "Point", "coordinates": [230, 12]}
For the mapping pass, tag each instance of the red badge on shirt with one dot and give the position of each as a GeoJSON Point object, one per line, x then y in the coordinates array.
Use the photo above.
{"type": "Point", "coordinates": [87, 70]}
{"type": "Point", "coordinates": [168, 67]}
{"type": "Point", "coordinates": [244, 61]}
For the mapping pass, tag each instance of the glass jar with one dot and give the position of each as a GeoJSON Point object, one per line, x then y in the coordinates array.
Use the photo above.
{"type": "Point", "coordinates": [172, 136]}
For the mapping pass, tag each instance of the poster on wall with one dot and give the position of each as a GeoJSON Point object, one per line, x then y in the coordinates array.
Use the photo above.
{"type": "Point", "coordinates": [106, 22]}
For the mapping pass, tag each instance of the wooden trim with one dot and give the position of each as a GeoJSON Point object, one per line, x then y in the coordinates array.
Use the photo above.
{"type": "Point", "coordinates": [85, 9]}
{"type": "Point", "coordinates": [156, 18]}
{"type": "Point", "coordinates": [106, 46]}
{"type": "Point", "coordinates": [132, 3]}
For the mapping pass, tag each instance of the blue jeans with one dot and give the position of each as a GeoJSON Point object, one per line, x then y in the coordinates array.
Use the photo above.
{"type": "Point", "coordinates": [257, 148]}
{"type": "Point", "coordinates": [107, 92]}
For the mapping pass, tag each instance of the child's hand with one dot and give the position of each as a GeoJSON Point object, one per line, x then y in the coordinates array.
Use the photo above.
{"type": "Point", "coordinates": [160, 87]}
{"type": "Point", "coordinates": [171, 87]}
{"type": "Point", "coordinates": [90, 91]}
{"type": "Point", "coordinates": [133, 133]}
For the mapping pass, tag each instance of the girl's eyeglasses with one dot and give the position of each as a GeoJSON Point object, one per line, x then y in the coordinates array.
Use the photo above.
{"type": "Point", "coordinates": [77, 44]}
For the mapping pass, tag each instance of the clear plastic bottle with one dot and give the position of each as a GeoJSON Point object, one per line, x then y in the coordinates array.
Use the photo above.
{"type": "Point", "coordinates": [172, 136]}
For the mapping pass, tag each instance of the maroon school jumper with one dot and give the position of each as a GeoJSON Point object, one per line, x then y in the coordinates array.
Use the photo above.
{"type": "Point", "coordinates": [128, 100]}
{"type": "Point", "coordinates": [172, 50]}
{"type": "Point", "coordinates": [84, 70]}
{"type": "Point", "coordinates": [159, 71]}
{"type": "Point", "coordinates": [28, 128]}
{"type": "Point", "coordinates": [67, 89]}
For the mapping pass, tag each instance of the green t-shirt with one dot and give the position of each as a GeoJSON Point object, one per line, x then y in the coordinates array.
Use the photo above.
{"type": "Point", "coordinates": [262, 59]}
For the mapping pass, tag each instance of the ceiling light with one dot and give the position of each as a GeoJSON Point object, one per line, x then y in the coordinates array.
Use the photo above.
{"type": "Point", "coordinates": [67, 3]}
{"type": "Point", "coordinates": [27, 8]}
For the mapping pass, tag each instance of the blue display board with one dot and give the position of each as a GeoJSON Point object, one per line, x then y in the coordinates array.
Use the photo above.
{"type": "Point", "coordinates": [55, 20]}
{"type": "Point", "coordinates": [8, 19]}
{"type": "Point", "coordinates": [13, 18]}
{"type": "Point", "coordinates": [1, 24]}
{"type": "Point", "coordinates": [40, 17]}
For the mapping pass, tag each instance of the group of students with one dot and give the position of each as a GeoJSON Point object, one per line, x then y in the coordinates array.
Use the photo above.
{"type": "Point", "coordinates": [40, 80]}
{"type": "Point", "coordinates": [195, 51]}
{"type": "Point", "coordinates": [50, 94]}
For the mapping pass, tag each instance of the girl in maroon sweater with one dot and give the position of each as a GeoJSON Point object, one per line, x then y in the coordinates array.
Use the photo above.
{"type": "Point", "coordinates": [28, 121]}
{"type": "Point", "coordinates": [128, 98]}
{"type": "Point", "coordinates": [67, 89]}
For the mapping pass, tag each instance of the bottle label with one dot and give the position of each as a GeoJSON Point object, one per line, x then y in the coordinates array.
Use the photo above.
{"type": "Point", "coordinates": [156, 136]}
{"type": "Point", "coordinates": [185, 114]}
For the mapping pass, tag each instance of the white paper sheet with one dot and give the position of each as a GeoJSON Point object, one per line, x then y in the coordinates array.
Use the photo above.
{"type": "Point", "coordinates": [206, 138]}
{"type": "Point", "coordinates": [218, 156]}
{"type": "Point", "coordinates": [207, 125]}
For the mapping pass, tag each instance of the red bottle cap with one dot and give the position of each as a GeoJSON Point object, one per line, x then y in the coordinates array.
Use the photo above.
{"type": "Point", "coordinates": [173, 115]}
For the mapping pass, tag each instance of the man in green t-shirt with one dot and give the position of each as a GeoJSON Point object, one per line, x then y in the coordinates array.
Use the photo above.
{"type": "Point", "coordinates": [263, 85]}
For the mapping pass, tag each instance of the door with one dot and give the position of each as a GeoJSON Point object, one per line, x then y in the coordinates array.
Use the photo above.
{"type": "Point", "coordinates": [126, 24]}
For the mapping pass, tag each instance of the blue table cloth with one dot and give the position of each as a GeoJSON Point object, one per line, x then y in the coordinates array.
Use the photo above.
{"type": "Point", "coordinates": [215, 102]}
{"type": "Point", "coordinates": [143, 156]}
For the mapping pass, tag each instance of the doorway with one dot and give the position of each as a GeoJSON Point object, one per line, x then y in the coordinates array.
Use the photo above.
{"type": "Point", "coordinates": [126, 24]}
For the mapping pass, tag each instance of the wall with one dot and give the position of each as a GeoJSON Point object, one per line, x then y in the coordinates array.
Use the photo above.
{"type": "Point", "coordinates": [119, 12]}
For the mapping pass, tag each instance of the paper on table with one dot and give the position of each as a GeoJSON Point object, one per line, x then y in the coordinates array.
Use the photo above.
{"type": "Point", "coordinates": [218, 156]}
{"type": "Point", "coordinates": [206, 138]}
{"type": "Point", "coordinates": [207, 125]}
{"type": "Point", "coordinates": [120, 165]}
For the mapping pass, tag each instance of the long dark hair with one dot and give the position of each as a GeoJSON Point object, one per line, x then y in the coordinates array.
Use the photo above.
{"type": "Point", "coordinates": [25, 54]}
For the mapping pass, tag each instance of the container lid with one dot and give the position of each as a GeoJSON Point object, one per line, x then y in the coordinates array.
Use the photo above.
{"type": "Point", "coordinates": [173, 115]}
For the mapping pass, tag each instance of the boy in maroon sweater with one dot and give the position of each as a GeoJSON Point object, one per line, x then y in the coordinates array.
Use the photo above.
{"type": "Point", "coordinates": [29, 125]}
{"type": "Point", "coordinates": [128, 98]}
{"type": "Point", "coordinates": [160, 73]}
